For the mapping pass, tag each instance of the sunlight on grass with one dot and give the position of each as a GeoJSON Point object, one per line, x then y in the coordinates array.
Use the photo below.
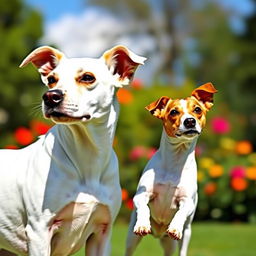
{"type": "Point", "coordinates": [208, 239]}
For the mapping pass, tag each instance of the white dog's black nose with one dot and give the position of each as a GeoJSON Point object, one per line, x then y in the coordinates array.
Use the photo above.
{"type": "Point", "coordinates": [53, 98]}
{"type": "Point", "coordinates": [190, 123]}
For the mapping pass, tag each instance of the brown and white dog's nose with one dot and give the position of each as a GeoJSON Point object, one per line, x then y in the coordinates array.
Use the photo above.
{"type": "Point", "coordinates": [53, 98]}
{"type": "Point", "coordinates": [190, 123]}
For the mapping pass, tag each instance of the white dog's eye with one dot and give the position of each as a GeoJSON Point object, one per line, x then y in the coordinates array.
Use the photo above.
{"type": "Point", "coordinates": [87, 78]}
{"type": "Point", "coordinates": [51, 80]}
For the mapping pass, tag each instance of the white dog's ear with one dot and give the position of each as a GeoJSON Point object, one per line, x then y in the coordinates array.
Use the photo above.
{"type": "Point", "coordinates": [44, 58]}
{"type": "Point", "coordinates": [123, 63]}
{"type": "Point", "coordinates": [156, 108]}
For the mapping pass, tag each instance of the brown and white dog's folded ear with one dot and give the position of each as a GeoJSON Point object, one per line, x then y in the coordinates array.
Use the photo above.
{"type": "Point", "coordinates": [156, 108]}
{"type": "Point", "coordinates": [123, 63]}
{"type": "Point", "coordinates": [44, 58]}
{"type": "Point", "coordinates": [204, 93]}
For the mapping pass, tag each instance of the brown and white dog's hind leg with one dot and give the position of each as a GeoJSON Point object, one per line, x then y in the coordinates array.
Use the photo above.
{"type": "Point", "coordinates": [169, 245]}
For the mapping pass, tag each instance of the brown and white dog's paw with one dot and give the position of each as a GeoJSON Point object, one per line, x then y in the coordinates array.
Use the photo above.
{"type": "Point", "coordinates": [142, 230]}
{"type": "Point", "coordinates": [174, 233]}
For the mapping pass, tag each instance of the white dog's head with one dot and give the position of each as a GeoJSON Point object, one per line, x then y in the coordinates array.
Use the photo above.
{"type": "Point", "coordinates": [81, 89]}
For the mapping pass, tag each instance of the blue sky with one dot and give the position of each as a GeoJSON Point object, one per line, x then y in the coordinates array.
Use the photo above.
{"type": "Point", "coordinates": [79, 30]}
{"type": "Point", "coordinates": [54, 9]}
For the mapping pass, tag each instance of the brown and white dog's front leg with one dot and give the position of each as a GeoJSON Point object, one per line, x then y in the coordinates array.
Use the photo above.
{"type": "Point", "coordinates": [142, 226]}
{"type": "Point", "coordinates": [139, 223]}
{"type": "Point", "coordinates": [186, 208]}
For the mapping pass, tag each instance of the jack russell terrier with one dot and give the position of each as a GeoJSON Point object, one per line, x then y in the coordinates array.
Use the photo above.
{"type": "Point", "coordinates": [166, 197]}
{"type": "Point", "coordinates": [63, 192]}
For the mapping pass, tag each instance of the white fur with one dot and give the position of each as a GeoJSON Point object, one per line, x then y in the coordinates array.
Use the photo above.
{"type": "Point", "coordinates": [62, 192]}
{"type": "Point", "coordinates": [166, 196]}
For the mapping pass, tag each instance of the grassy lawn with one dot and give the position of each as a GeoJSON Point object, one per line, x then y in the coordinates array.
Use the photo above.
{"type": "Point", "coordinates": [208, 239]}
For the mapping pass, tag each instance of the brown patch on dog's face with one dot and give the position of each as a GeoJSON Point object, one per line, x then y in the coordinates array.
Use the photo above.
{"type": "Point", "coordinates": [172, 117]}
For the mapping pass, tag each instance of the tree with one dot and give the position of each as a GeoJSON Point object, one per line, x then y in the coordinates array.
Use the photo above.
{"type": "Point", "coordinates": [245, 74]}
{"type": "Point", "coordinates": [20, 29]}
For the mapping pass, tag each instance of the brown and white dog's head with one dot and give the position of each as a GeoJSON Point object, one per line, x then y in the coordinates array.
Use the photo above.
{"type": "Point", "coordinates": [81, 89]}
{"type": "Point", "coordinates": [184, 117]}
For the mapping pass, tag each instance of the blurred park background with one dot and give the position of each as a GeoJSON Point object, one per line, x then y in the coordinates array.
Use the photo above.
{"type": "Point", "coordinates": [187, 43]}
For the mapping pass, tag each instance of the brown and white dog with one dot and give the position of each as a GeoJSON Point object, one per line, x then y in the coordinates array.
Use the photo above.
{"type": "Point", "coordinates": [166, 197]}
{"type": "Point", "coordinates": [63, 192]}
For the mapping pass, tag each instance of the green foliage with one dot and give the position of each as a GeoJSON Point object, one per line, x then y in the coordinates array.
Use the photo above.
{"type": "Point", "coordinates": [20, 30]}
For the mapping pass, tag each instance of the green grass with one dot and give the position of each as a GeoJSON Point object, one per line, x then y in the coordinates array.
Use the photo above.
{"type": "Point", "coordinates": [208, 239]}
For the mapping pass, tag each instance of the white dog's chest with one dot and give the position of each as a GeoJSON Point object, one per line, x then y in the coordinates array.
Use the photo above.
{"type": "Point", "coordinates": [165, 202]}
{"type": "Point", "coordinates": [75, 223]}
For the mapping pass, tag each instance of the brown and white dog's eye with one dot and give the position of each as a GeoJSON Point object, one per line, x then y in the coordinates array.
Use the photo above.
{"type": "Point", "coordinates": [174, 112]}
{"type": "Point", "coordinates": [198, 110]}
{"type": "Point", "coordinates": [51, 80]}
{"type": "Point", "coordinates": [87, 78]}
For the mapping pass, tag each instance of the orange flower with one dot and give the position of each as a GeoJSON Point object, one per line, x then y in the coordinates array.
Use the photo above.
{"type": "Point", "coordinates": [216, 171]}
{"type": "Point", "coordinates": [210, 188]}
{"type": "Point", "coordinates": [243, 147]}
{"type": "Point", "coordinates": [23, 136]}
{"type": "Point", "coordinates": [125, 194]}
{"type": "Point", "coordinates": [238, 184]}
{"type": "Point", "coordinates": [124, 96]}
{"type": "Point", "coordinates": [115, 141]}
{"type": "Point", "coordinates": [250, 173]}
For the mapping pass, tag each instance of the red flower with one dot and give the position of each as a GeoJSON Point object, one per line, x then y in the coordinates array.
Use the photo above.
{"type": "Point", "coordinates": [23, 136]}
{"type": "Point", "coordinates": [239, 184]}
{"type": "Point", "coordinates": [137, 84]}
{"type": "Point", "coordinates": [11, 147]}
{"type": "Point", "coordinates": [129, 204]}
{"type": "Point", "coordinates": [210, 188]}
{"type": "Point", "coordinates": [220, 125]}
{"type": "Point", "coordinates": [39, 128]}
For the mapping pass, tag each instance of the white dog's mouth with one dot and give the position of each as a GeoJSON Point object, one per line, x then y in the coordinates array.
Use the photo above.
{"type": "Point", "coordinates": [65, 117]}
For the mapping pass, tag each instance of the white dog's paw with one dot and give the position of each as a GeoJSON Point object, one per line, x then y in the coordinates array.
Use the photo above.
{"type": "Point", "coordinates": [174, 233]}
{"type": "Point", "coordinates": [142, 229]}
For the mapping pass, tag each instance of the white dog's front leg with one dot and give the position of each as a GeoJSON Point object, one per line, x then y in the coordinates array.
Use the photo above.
{"type": "Point", "coordinates": [38, 241]}
{"type": "Point", "coordinates": [142, 226]}
{"type": "Point", "coordinates": [186, 208]}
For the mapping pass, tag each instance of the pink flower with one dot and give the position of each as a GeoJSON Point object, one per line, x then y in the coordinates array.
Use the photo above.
{"type": "Point", "coordinates": [220, 125]}
{"type": "Point", "coordinates": [137, 152]}
{"type": "Point", "coordinates": [199, 150]}
{"type": "Point", "coordinates": [150, 152]}
{"type": "Point", "coordinates": [237, 172]}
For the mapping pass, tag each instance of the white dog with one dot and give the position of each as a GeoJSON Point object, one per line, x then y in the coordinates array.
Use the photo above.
{"type": "Point", "coordinates": [166, 197]}
{"type": "Point", "coordinates": [62, 192]}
